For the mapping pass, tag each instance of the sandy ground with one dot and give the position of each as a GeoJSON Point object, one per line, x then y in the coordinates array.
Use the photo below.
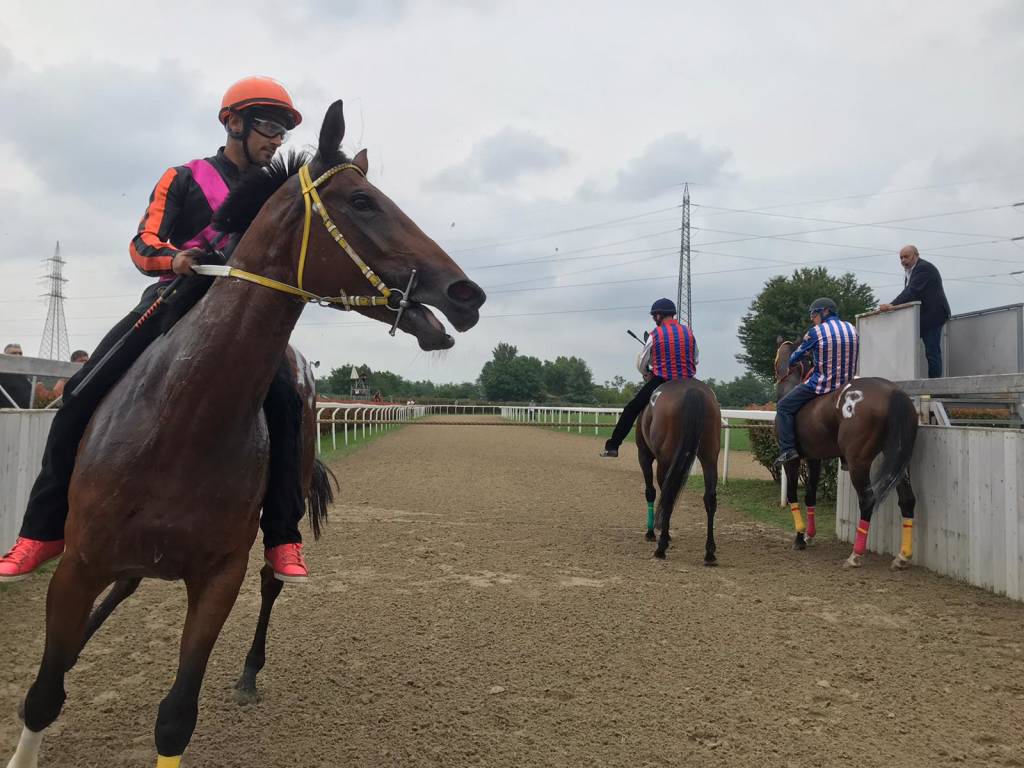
{"type": "Point", "coordinates": [484, 596]}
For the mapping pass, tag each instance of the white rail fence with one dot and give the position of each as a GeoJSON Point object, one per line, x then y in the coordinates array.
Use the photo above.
{"type": "Point", "coordinates": [590, 418]}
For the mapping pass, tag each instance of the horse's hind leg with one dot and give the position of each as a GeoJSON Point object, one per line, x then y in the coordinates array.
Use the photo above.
{"type": "Point", "coordinates": [792, 478]}
{"type": "Point", "coordinates": [121, 591]}
{"type": "Point", "coordinates": [710, 467]}
{"type": "Point", "coordinates": [245, 688]}
{"type": "Point", "coordinates": [907, 503]}
{"type": "Point", "coordinates": [860, 478]}
{"type": "Point", "coordinates": [210, 599]}
{"type": "Point", "coordinates": [646, 459]}
{"type": "Point", "coordinates": [811, 495]}
{"type": "Point", "coordinates": [73, 588]}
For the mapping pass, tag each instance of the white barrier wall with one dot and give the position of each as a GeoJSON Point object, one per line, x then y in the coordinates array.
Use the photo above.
{"type": "Point", "coordinates": [969, 520]}
{"type": "Point", "coordinates": [890, 344]}
{"type": "Point", "coordinates": [22, 438]}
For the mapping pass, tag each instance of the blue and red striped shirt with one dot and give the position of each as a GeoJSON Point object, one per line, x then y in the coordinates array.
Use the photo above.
{"type": "Point", "coordinates": [673, 351]}
{"type": "Point", "coordinates": [834, 347]}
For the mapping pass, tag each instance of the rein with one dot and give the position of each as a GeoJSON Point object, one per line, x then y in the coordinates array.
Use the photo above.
{"type": "Point", "coordinates": [394, 299]}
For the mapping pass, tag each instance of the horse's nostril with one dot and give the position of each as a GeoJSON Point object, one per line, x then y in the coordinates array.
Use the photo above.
{"type": "Point", "coordinates": [466, 292]}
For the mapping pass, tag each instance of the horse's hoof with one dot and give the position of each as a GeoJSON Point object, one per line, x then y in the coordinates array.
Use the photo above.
{"type": "Point", "coordinates": [809, 540]}
{"type": "Point", "coordinates": [649, 536]}
{"type": "Point", "coordinates": [710, 562]}
{"type": "Point", "coordinates": [853, 561]}
{"type": "Point", "coordinates": [246, 696]}
{"type": "Point", "coordinates": [799, 542]}
{"type": "Point", "coordinates": [899, 563]}
{"type": "Point", "coordinates": [659, 553]}
{"type": "Point", "coordinates": [245, 691]}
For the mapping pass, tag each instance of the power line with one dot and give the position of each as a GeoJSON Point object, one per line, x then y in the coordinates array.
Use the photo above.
{"type": "Point", "coordinates": [545, 235]}
{"type": "Point", "coordinates": [877, 224]}
{"type": "Point", "coordinates": [864, 195]}
{"type": "Point", "coordinates": [561, 256]}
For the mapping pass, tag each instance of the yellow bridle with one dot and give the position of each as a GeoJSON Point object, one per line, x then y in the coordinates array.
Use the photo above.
{"type": "Point", "coordinates": [312, 201]}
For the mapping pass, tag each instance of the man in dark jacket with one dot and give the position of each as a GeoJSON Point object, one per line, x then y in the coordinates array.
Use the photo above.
{"type": "Point", "coordinates": [924, 283]}
{"type": "Point", "coordinates": [16, 388]}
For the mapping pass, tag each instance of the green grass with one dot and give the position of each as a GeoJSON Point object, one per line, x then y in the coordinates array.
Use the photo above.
{"type": "Point", "coordinates": [759, 500]}
{"type": "Point", "coordinates": [355, 440]}
{"type": "Point", "coordinates": [739, 440]}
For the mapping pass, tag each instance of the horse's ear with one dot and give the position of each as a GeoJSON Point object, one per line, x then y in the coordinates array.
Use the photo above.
{"type": "Point", "coordinates": [361, 162]}
{"type": "Point", "coordinates": [779, 340]}
{"type": "Point", "coordinates": [333, 130]}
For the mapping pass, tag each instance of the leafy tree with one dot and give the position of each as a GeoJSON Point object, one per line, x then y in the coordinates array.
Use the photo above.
{"type": "Point", "coordinates": [781, 310]}
{"type": "Point", "coordinates": [511, 377]}
{"type": "Point", "coordinates": [568, 379]}
{"type": "Point", "coordinates": [742, 391]}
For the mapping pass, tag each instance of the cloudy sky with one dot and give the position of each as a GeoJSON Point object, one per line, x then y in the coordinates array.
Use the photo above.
{"type": "Point", "coordinates": [544, 145]}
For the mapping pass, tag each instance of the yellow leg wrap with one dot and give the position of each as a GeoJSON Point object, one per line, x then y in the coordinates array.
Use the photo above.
{"type": "Point", "coordinates": [907, 541]}
{"type": "Point", "coordinates": [798, 518]}
{"type": "Point", "coordinates": [168, 762]}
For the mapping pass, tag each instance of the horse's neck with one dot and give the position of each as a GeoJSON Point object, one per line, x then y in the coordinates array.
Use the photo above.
{"type": "Point", "coordinates": [233, 343]}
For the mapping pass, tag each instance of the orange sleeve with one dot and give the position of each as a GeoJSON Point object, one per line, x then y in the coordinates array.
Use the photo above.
{"type": "Point", "coordinates": [150, 249]}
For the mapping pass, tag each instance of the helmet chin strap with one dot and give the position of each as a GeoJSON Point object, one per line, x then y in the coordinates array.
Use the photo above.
{"type": "Point", "coordinates": [242, 136]}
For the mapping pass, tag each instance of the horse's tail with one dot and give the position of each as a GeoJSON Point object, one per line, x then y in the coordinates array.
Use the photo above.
{"type": "Point", "coordinates": [321, 496]}
{"type": "Point", "coordinates": [900, 434]}
{"type": "Point", "coordinates": [686, 450]}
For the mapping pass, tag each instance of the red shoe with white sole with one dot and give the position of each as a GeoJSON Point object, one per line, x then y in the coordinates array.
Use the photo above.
{"type": "Point", "coordinates": [287, 562]}
{"type": "Point", "coordinates": [26, 556]}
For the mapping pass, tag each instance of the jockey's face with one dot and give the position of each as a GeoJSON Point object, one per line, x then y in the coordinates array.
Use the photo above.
{"type": "Point", "coordinates": [817, 318]}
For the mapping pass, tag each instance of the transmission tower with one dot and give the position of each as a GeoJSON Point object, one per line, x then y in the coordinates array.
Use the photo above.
{"type": "Point", "coordinates": [54, 345]}
{"type": "Point", "coordinates": [683, 294]}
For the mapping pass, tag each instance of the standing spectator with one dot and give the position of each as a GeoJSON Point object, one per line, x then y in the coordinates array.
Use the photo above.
{"type": "Point", "coordinates": [17, 387]}
{"type": "Point", "coordinates": [924, 283]}
{"type": "Point", "coordinates": [46, 396]}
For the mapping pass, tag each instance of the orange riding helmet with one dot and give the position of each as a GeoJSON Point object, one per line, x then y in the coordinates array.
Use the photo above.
{"type": "Point", "coordinates": [258, 91]}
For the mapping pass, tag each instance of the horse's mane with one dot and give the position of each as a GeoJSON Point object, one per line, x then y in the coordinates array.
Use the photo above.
{"type": "Point", "coordinates": [238, 211]}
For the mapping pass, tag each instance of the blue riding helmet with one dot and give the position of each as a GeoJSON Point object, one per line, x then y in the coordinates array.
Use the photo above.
{"type": "Point", "coordinates": [819, 305]}
{"type": "Point", "coordinates": [663, 307]}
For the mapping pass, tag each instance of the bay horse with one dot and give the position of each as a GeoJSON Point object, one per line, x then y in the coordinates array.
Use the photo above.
{"type": "Point", "coordinates": [318, 484]}
{"type": "Point", "coordinates": [172, 469]}
{"type": "Point", "coordinates": [682, 422]}
{"type": "Point", "coordinates": [866, 417]}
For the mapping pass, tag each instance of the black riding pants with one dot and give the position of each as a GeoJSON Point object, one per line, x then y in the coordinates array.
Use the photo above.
{"type": "Point", "coordinates": [631, 411]}
{"type": "Point", "coordinates": [48, 502]}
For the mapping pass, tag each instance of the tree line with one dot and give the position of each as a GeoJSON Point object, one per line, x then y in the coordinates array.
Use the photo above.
{"type": "Point", "coordinates": [779, 310]}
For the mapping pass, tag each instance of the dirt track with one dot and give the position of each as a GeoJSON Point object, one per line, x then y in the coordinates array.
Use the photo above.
{"type": "Point", "coordinates": [484, 596]}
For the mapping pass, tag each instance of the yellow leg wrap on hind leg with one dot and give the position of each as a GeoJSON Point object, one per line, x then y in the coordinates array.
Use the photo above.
{"type": "Point", "coordinates": [907, 541]}
{"type": "Point", "coordinates": [168, 762]}
{"type": "Point", "coordinates": [798, 518]}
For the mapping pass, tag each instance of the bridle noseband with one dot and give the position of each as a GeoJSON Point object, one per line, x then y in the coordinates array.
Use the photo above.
{"type": "Point", "coordinates": [393, 298]}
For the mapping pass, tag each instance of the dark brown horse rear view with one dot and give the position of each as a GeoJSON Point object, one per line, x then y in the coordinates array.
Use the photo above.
{"type": "Point", "coordinates": [681, 424]}
{"type": "Point", "coordinates": [866, 417]}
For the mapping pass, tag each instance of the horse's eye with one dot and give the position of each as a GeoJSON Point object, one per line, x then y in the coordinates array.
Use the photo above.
{"type": "Point", "coordinates": [361, 202]}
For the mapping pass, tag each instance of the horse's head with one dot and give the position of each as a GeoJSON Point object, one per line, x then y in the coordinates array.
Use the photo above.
{"type": "Point", "coordinates": [786, 377]}
{"type": "Point", "coordinates": [334, 235]}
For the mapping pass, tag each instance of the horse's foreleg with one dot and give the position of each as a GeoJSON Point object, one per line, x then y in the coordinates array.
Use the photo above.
{"type": "Point", "coordinates": [245, 687]}
{"type": "Point", "coordinates": [907, 503]}
{"type": "Point", "coordinates": [710, 467]}
{"type": "Point", "coordinates": [121, 591]}
{"type": "Point", "coordinates": [646, 459]}
{"type": "Point", "coordinates": [811, 495]}
{"type": "Point", "coordinates": [68, 601]}
{"type": "Point", "coordinates": [792, 479]}
{"type": "Point", "coordinates": [860, 478]}
{"type": "Point", "coordinates": [210, 599]}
